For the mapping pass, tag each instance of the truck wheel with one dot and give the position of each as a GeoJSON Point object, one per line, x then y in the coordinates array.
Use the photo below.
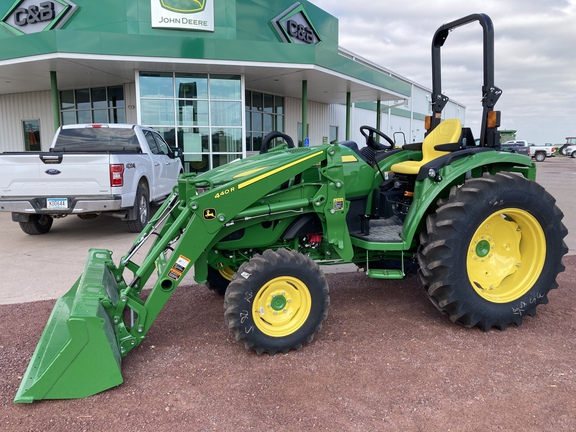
{"type": "Point", "coordinates": [141, 210]}
{"type": "Point", "coordinates": [492, 251]}
{"type": "Point", "coordinates": [219, 279]}
{"type": "Point", "coordinates": [37, 224]}
{"type": "Point", "coordinates": [276, 301]}
{"type": "Point", "coordinates": [540, 157]}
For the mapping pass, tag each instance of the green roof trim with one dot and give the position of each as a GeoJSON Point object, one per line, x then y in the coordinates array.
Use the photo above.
{"type": "Point", "coordinates": [242, 34]}
{"type": "Point", "coordinates": [399, 112]}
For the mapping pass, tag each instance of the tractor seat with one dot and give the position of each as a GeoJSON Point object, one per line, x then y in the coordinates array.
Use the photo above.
{"type": "Point", "coordinates": [441, 141]}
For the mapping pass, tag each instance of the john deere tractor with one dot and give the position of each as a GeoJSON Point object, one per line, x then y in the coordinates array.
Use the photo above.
{"type": "Point", "coordinates": [484, 237]}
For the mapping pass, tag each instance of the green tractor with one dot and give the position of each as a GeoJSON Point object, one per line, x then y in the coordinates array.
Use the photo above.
{"type": "Point", "coordinates": [484, 237]}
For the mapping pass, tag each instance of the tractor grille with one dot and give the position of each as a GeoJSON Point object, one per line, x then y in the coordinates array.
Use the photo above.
{"type": "Point", "coordinates": [299, 150]}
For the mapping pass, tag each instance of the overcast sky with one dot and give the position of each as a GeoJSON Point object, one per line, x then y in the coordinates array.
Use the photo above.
{"type": "Point", "coordinates": [535, 50]}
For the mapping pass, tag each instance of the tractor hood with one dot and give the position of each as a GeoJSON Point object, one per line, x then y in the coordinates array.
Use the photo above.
{"type": "Point", "coordinates": [258, 165]}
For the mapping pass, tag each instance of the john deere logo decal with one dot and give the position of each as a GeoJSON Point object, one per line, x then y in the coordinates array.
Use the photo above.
{"type": "Point", "coordinates": [294, 26]}
{"type": "Point", "coordinates": [183, 14]}
{"type": "Point", "coordinates": [209, 213]}
{"type": "Point", "coordinates": [34, 16]}
{"type": "Point", "coordinates": [184, 6]}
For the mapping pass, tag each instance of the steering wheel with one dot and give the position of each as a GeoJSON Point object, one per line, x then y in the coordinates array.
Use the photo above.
{"type": "Point", "coordinates": [368, 133]}
{"type": "Point", "coordinates": [272, 135]}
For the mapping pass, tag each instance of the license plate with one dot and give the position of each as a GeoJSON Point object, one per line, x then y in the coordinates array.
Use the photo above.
{"type": "Point", "coordinates": [57, 203]}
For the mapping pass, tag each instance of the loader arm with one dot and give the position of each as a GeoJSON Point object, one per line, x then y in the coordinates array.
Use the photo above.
{"type": "Point", "coordinates": [103, 317]}
{"type": "Point", "coordinates": [183, 241]}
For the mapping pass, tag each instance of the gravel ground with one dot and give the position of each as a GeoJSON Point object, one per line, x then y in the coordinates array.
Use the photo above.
{"type": "Point", "coordinates": [385, 359]}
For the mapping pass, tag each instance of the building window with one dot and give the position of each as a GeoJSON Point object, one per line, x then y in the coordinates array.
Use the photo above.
{"type": "Point", "coordinates": [31, 130]}
{"type": "Point", "coordinates": [264, 114]}
{"type": "Point", "coordinates": [199, 113]}
{"type": "Point", "coordinates": [333, 134]}
{"type": "Point", "coordinates": [93, 105]}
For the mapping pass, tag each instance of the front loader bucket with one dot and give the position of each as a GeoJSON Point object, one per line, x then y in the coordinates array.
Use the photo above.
{"type": "Point", "coordinates": [77, 355]}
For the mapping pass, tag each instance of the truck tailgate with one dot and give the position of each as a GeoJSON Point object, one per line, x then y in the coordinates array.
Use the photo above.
{"type": "Point", "coordinates": [54, 174]}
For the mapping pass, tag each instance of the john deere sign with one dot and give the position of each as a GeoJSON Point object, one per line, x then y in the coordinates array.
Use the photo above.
{"type": "Point", "coordinates": [34, 16]}
{"type": "Point", "coordinates": [183, 14]}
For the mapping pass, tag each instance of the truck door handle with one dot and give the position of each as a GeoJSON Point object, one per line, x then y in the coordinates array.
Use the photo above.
{"type": "Point", "coordinates": [157, 164]}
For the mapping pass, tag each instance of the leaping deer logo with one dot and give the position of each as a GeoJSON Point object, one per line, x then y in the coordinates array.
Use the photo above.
{"type": "Point", "coordinates": [184, 6]}
{"type": "Point", "coordinates": [209, 213]}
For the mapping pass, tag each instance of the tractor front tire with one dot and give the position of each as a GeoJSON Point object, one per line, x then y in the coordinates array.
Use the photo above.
{"type": "Point", "coordinates": [219, 279]}
{"type": "Point", "coordinates": [492, 251]}
{"type": "Point", "coordinates": [276, 301]}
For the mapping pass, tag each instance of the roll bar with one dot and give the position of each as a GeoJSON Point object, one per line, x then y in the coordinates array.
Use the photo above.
{"type": "Point", "coordinates": [489, 137]}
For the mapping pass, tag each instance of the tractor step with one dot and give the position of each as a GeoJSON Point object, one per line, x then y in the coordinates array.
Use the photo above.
{"type": "Point", "coordinates": [385, 274]}
{"type": "Point", "coordinates": [381, 230]}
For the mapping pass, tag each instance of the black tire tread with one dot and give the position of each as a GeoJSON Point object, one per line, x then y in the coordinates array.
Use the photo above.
{"type": "Point", "coordinates": [136, 225]}
{"type": "Point", "coordinates": [37, 225]}
{"type": "Point", "coordinates": [265, 262]}
{"type": "Point", "coordinates": [440, 242]}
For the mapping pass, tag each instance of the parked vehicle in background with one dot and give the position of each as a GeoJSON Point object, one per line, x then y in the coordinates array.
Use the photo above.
{"type": "Point", "coordinates": [567, 149]}
{"type": "Point", "coordinates": [516, 146]}
{"type": "Point", "coordinates": [570, 151]}
{"type": "Point", "coordinates": [540, 153]}
{"type": "Point", "coordinates": [90, 169]}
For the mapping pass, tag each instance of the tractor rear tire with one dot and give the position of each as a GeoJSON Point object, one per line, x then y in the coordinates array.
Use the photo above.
{"type": "Point", "coordinates": [276, 301]}
{"type": "Point", "coordinates": [37, 224]}
{"type": "Point", "coordinates": [492, 251]}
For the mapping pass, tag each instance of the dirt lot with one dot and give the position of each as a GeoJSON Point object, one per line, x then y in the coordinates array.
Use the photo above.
{"type": "Point", "coordinates": [385, 360]}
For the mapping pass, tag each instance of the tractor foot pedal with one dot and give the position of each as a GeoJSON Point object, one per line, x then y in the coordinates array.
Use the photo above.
{"type": "Point", "coordinates": [385, 274]}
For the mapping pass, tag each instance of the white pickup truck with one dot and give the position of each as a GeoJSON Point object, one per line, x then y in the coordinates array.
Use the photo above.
{"type": "Point", "coordinates": [540, 153]}
{"type": "Point", "coordinates": [115, 169]}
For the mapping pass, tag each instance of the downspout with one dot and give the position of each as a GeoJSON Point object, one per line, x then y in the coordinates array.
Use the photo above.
{"type": "Point", "coordinates": [304, 111]}
{"type": "Point", "coordinates": [378, 119]}
{"type": "Point", "coordinates": [348, 114]}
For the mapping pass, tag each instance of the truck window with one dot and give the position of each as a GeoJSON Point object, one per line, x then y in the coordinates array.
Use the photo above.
{"type": "Point", "coordinates": [151, 142]}
{"type": "Point", "coordinates": [157, 145]}
{"type": "Point", "coordinates": [97, 140]}
{"type": "Point", "coordinates": [162, 146]}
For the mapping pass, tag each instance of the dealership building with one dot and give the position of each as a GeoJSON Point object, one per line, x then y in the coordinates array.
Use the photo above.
{"type": "Point", "coordinates": [213, 76]}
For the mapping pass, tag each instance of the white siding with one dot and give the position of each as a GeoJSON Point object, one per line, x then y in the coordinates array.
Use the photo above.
{"type": "Point", "coordinates": [361, 117]}
{"type": "Point", "coordinates": [14, 108]}
{"type": "Point", "coordinates": [318, 119]}
{"type": "Point", "coordinates": [421, 100]}
{"type": "Point", "coordinates": [337, 117]}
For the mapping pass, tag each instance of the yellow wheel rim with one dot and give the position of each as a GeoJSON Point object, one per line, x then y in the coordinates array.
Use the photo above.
{"type": "Point", "coordinates": [506, 255]}
{"type": "Point", "coordinates": [226, 273]}
{"type": "Point", "coordinates": [281, 306]}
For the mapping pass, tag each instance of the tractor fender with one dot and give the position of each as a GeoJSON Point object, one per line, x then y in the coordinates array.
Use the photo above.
{"type": "Point", "coordinates": [306, 224]}
{"type": "Point", "coordinates": [428, 190]}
